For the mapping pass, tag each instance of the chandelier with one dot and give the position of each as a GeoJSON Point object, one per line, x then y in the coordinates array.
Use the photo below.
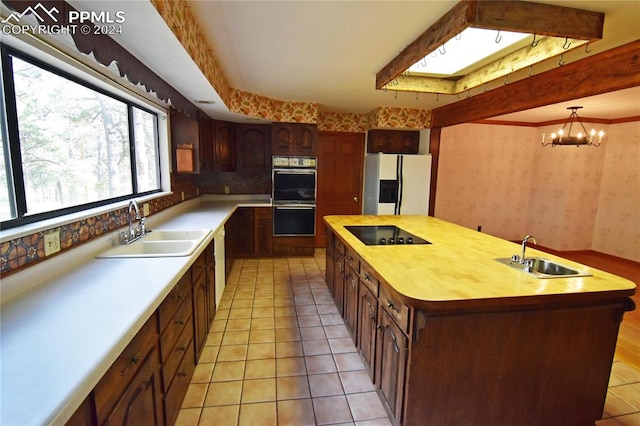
{"type": "Point", "coordinates": [581, 138]}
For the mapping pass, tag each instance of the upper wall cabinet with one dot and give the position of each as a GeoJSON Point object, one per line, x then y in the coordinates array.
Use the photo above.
{"type": "Point", "coordinates": [185, 141]}
{"type": "Point", "coordinates": [393, 141]}
{"type": "Point", "coordinates": [294, 138]}
{"type": "Point", "coordinates": [254, 147]}
{"type": "Point", "coordinates": [224, 147]}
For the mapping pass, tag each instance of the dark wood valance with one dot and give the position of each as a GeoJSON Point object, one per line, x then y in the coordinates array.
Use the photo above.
{"type": "Point", "coordinates": [106, 51]}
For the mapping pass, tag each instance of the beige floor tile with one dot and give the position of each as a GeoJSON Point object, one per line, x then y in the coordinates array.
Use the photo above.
{"type": "Point", "coordinates": [223, 393]}
{"type": "Point", "coordinates": [320, 364]}
{"type": "Point", "coordinates": [240, 313]}
{"type": "Point", "coordinates": [615, 406]}
{"type": "Point", "coordinates": [288, 349]}
{"type": "Point", "coordinates": [378, 422]}
{"type": "Point", "coordinates": [265, 301]}
{"type": "Point", "coordinates": [286, 322]}
{"type": "Point", "coordinates": [238, 324]}
{"type": "Point", "coordinates": [214, 338]}
{"type": "Point", "coordinates": [258, 390]}
{"type": "Point", "coordinates": [261, 351]}
{"type": "Point", "coordinates": [326, 384]}
{"type": "Point", "coordinates": [262, 323]}
{"type": "Point", "coordinates": [348, 362]}
{"type": "Point", "coordinates": [209, 354]}
{"type": "Point", "coordinates": [309, 320]}
{"type": "Point", "coordinates": [202, 373]}
{"type": "Point", "coordinates": [188, 417]}
{"type": "Point", "coordinates": [336, 331]}
{"type": "Point", "coordinates": [290, 367]}
{"type": "Point", "coordinates": [331, 409]}
{"type": "Point", "coordinates": [329, 308]}
{"type": "Point", "coordinates": [629, 420]}
{"type": "Point", "coordinates": [228, 371]}
{"type": "Point", "coordinates": [627, 373]}
{"type": "Point", "coordinates": [243, 295]}
{"type": "Point", "coordinates": [316, 347]}
{"type": "Point", "coordinates": [291, 334]}
{"type": "Point", "coordinates": [232, 353]}
{"type": "Point", "coordinates": [195, 395]}
{"type": "Point", "coordinates": [331, 319]}
{"type": "Point", "coordinates": [292, 387]}
{"type": "Point", "coordinates": [222, 314]}
{"type": "Point", "coordinates": [342, 345]}
{"type": "Point", "coordinates": [356, 381]}
{"type": "Point", "coordinates": [297, 412]}
{"type": "Point", "coordinates": [263, 312]}
{"type": "Point", "coordinates": [218, 325]}
{"type": "Point", "coordinates": [312, 333]}
{"type": "Point", "coordinates": [258, 414]}
{"type": "Point", "coordinates": [366, 406]}
{"type": "Point", "coordinates": [242, 303]}
{"type": "Point", "coordinates": [260, 369]}
{"type": "Point", "coordinates": [224, 304]}
{"type": "Point", "coordinates": [629, 394]}
{"type": "Point", "coordinates": [224, 415]}
{"type": "Point", "coordinates": [262, 336]}
{"type": "Point", "coordinates": [283, 299]}
{"type": "Point", "coordinates": [306, 310]}
{"type": "Point", "coordinates": [235, 338]}
{"type": "Point", "coordinates": [285, 311]}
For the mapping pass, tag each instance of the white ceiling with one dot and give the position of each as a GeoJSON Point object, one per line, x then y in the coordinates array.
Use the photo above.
{"type": "Point", "coordinates": [328, 52]}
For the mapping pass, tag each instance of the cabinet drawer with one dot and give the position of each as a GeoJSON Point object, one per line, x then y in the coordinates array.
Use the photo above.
{"type": "Point", "coordinates": [174, 396]}
{"type": "Point", "coordinates": [394, 306]}
{"type": "Point", "coordinates": [174, 358]}
{"type": "Point", "coordinates": [113, 384]}
{"type": "Point", "coordinates": [181, 320]}
{"type": "Point", "coordinates": [352, 259]}
{"type": "Point", "coordinates": [174, 299]}
{"type": "Point", "coordinates": [339, 247]}
{"type": "Point", "coordinates": [368, 278]}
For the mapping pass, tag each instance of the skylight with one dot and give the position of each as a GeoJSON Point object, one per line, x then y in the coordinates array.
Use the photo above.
{"type": "Point", "coordinates": [468, 48]}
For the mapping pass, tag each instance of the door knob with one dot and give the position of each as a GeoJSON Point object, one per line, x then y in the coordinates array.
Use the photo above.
{"type": "Point", "coordinates": [355, 199]}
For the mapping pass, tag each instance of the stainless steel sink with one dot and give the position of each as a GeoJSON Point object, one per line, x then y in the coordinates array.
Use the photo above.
{"type": "Point", "coordinates": [160, 243]}
{"type": "Point", "coordinates": [544, 268]}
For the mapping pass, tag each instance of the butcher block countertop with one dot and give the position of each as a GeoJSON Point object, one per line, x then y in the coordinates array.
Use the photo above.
{"type": "Point", "coordinates": [457, 270]}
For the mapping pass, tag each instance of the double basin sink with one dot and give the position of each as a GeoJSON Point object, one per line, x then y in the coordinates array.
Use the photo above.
{"type": "Point", "coordinates": [160, 243]}
{"type": "Point", "coordinates": [543, 268]}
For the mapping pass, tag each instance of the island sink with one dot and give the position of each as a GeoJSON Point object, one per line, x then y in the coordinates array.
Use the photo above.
{"type": "Point", "coordinates": [539, 267]}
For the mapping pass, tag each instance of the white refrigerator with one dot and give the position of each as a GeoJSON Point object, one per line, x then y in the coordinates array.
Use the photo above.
{"type": "Point", "coordinates": [396, 184]}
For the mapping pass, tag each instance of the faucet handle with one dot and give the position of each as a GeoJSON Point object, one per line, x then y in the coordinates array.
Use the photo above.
{"type": "Point", "coordinates": [515, 258]}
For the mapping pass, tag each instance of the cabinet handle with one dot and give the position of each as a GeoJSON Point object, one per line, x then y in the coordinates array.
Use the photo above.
{"type": "Point", "coordinates": [182, 349]}
{"type": "Point", "coordinates": [371, 316]}
{"type": "Point", "coordinates": [132, 361]}
{"type": "Point", "coordinates": [179, 322]}
{"type": "Point", "coordinates": [367, 277]}
{"type": "Point", "coordinates": [353, 284]}
{"type": "Point", "coordinates": [177, 297]}
{"type": "Point", "coordinates": [350, 258]}
{"type": "Point", "coordinates": [395, 343]}
{"type": "Point", "coordinates": [392, 306]}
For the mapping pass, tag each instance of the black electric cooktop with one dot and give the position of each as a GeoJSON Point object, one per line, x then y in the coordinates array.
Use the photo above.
{"type": "Point", "coordinates": [384, 235]}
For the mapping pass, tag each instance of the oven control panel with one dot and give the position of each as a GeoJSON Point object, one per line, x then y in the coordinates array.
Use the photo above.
{"type": "Point", "coordinates": [302, 162]}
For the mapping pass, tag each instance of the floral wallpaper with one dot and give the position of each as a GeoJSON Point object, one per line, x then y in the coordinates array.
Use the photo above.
{"type": "Point", "coordinates": [178, 17]}
{"type": "Point", "coordinates": [570, 198]}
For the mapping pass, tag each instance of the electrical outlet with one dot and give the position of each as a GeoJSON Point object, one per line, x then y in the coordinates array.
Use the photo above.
{"type": "Point", "coordinates": [145, 209]}
{"type": "Point", "coordinates": [51, 242]}
{"type": "Point", "coordinates": [182, 195]}
{"type": "Point", "coordinates": [226, 189]}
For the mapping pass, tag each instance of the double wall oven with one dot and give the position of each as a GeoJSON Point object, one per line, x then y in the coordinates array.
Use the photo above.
{"type": "Point", "coordinates": [294, 196]}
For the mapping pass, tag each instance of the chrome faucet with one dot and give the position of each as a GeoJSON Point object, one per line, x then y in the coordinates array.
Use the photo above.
{"type": "Point", "coordinates": [136, 232]}
{"type": "Point", "coordinates": [521, 259]}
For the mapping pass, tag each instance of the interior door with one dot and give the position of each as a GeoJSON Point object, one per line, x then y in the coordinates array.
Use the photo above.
{"type": "Point", "coordinates": [340, 165]}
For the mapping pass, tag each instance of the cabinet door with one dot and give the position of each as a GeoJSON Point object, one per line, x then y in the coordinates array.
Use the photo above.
{"type": "Point", "coordinates": [282, 138]}
{"type": "Point", "coordinates": [254, 147]}
{"type": "Point", "coordinates": [367, 322]}
{"type": "Point", "coordinates": [206, 136]}
{"type": "Point", "coordinates": [407, 142]}
{"type": "Point", "coordinates": [245, 238]}
{"type": "Point", "coordinates": [263, 231]}
{"type": "Point", "coordinates": [211, 283]}
{"type": "Point", "coordinates": [391, 359]}
{"type": "Point", "coordinates": [200, 317]}
{"type": "Point", "coordinates": [351, 302]}
{"type": "Point", "coordinates": [338, 282]}
{"type": "Point", "coordinates": [141, 403]}
{"type": "Point", "coordinates": [329, 260]}
{"type": "Point", "coordinates": [305, 139]}
{"type": "Point", "coordinates": [380, 141]}
{"type": "Point", "coordinates": [224, 147]}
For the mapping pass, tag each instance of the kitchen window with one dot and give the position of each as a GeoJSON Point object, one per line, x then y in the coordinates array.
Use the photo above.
{"type": "Point", "coordinates": [68, 145]}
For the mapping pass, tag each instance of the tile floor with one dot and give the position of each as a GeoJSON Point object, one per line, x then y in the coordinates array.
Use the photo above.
{"type": "Point", "coordinates": [279, 354]}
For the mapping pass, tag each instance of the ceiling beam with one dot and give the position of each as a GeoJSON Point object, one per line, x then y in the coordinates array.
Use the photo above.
{"type": "Point", "coordinates": [608, 71]}
{"type": "Point", "coordinates": [508, 15]}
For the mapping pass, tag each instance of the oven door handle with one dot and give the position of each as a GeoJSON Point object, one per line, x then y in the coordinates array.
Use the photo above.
{"type": "Point", "coordinates": [294, 207]}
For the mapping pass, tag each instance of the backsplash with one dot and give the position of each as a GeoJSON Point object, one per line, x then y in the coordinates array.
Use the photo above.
{"type": "Point", "coordinates": [26, 251]}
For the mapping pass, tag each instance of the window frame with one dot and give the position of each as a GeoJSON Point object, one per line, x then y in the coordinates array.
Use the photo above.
{"type": "Point", "coordinates": [14, 166]}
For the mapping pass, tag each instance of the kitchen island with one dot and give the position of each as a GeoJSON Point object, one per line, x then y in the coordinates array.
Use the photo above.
{"type": "Point", "coordinates": [452, 337]}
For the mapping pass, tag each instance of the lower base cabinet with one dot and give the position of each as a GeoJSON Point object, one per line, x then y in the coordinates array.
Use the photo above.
{"type": "Point", "coordinates": [391, 363]}
{"type": "Point", "coordinates": [147, 383]}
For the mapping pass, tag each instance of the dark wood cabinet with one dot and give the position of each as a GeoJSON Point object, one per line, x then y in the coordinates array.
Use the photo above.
{"type": "Point", "coordinates": [224, 147]}
{"type": "Point", "coordinates": [367, 327]}
{"type": "Point", "coordinates": [254, 147]}
{"type": "Point", "coordinates": [338, 282]}
{"type": "Point", "coordinates": [329, 260]}
{"type": "Point", "coordinates": [391, 361]}
{"type": "Point", "coordinates": [294, 138]}
{"type": "Point", "coordinates": [210, 265]}
{"type": "Point", "coordinates": [244, 233]}
{"type": "Point", "coordinates": [393, 141]}
{"type": "Point", "coordinates": [205, 142]}
{"type": "Point", "coordinates": [200, 304]}
{"type": "Point", "coordinates": [351, 288]}
{"type": "Point", "coordinates": [263, 231]}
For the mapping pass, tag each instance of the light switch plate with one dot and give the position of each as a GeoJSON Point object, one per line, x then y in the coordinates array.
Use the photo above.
{"type": "Point", "coordinates": [51, 242]}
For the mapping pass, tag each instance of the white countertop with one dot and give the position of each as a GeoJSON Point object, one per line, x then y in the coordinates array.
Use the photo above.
{"type": "Point", "coordinates": [59, 338]}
